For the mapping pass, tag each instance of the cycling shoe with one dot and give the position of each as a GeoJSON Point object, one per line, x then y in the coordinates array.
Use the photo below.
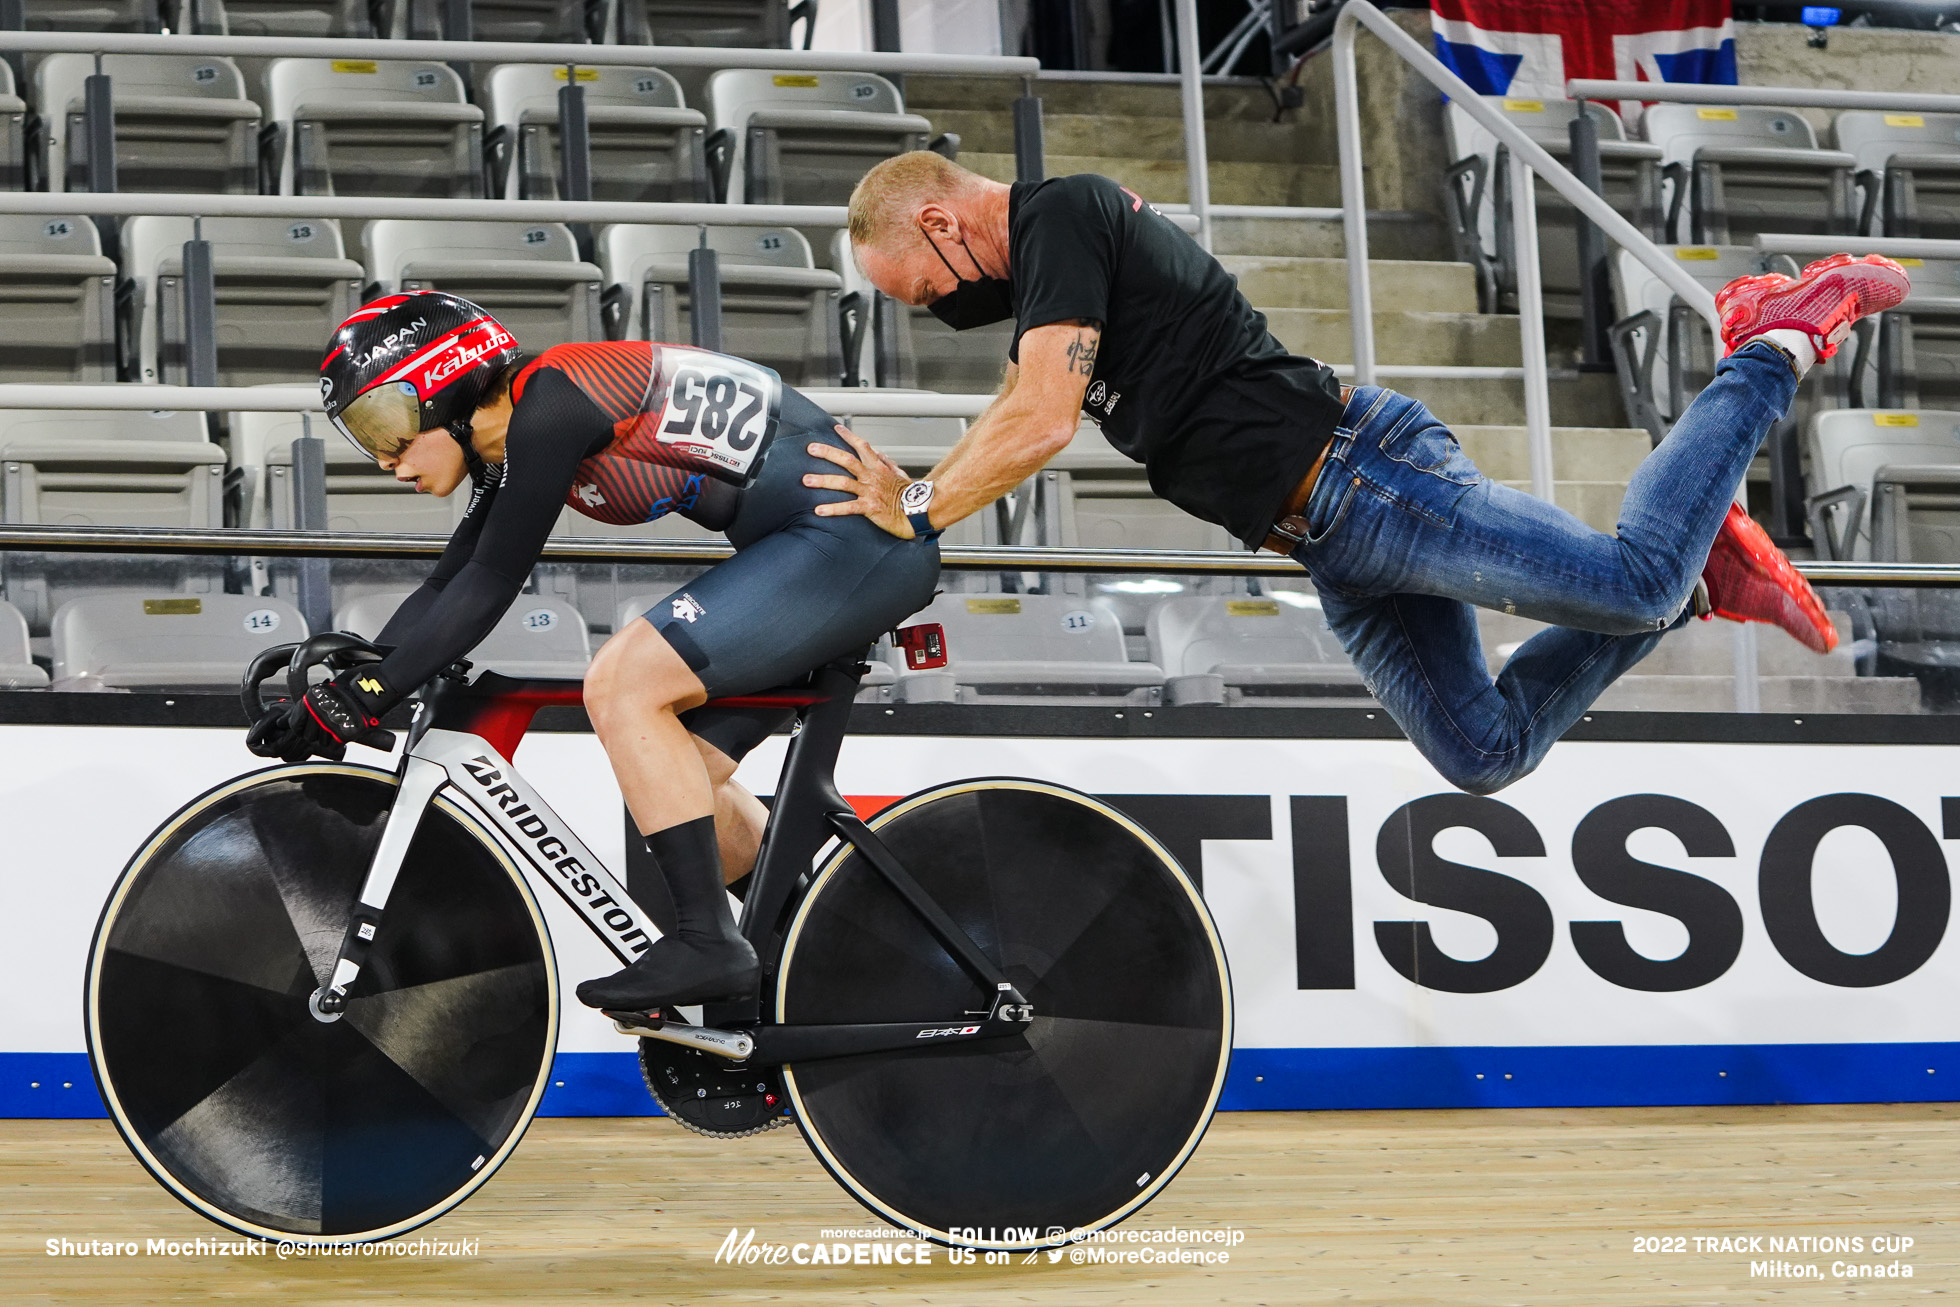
{"type": "Point", "coordinates": [676, 970]}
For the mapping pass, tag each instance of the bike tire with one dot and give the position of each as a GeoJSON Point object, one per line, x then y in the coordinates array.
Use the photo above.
{"type": "Point", "coordinates": [1011, 1144]}
{"type": "Point", "coordinates": [223, 1084]}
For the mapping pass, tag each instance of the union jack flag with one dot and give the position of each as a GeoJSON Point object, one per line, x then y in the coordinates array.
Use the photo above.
{"type": "Point", "coordinates": [1530, 47]}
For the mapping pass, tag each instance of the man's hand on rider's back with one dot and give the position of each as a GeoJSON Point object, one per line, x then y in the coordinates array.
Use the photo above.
{"type": "Point", "coordinates": [874, 479]}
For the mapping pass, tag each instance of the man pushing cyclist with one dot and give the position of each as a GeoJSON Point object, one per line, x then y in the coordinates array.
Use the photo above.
{"type": "Point", "coordinates": [1121, 316]}
{"type": "Point", "coordinates": [438, 392]}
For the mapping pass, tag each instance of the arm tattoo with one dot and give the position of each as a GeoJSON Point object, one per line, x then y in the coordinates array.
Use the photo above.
{"type": "Point", "coordinates": [1082, 355]}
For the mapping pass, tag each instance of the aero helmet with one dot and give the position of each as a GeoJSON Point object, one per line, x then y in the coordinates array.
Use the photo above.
{"type": "Point", "coordinates": [405, 363]}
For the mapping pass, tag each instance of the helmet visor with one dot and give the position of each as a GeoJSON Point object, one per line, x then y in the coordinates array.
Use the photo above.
{"type": "Point", "coordinates": [382, 421]}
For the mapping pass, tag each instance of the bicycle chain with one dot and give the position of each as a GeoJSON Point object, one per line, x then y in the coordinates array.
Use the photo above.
{"type": "Point", "coordinates": [692, 1069]}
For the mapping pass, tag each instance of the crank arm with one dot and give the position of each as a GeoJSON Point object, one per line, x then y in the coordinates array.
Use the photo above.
{"type": "Point", "coordinates": [735, 1045]}
{"type": "Point", "coordinates": [778, 1044]}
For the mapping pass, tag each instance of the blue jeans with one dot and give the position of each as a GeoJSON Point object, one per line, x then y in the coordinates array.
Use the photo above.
{"type": "Point", "coordinates": [1405, 535]}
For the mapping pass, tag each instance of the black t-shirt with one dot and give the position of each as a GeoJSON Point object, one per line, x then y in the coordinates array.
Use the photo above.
{"type": "Point", "coordinates": [1188, 380]}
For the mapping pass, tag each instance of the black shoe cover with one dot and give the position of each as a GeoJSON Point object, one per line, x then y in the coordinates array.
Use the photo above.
{"type": "Point", "coordinates": [678, 969]}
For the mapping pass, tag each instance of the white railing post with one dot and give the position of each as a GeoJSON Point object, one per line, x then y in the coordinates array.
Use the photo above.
{"type": "Point", "coordinates": [1354, 199]}
{"type": "Point", "coordinates": [1748, 691]}
{"type": "Point", "coordinates": [1531, 327]}
{"type": "Point", "coordinates": [1197, 166]}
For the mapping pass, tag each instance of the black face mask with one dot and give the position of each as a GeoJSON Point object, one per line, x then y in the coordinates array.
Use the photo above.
{"type": "Point", "coordinates": [975, 302]}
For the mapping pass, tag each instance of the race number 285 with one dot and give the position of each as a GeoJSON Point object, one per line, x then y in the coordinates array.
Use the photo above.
{"type": "Point", "coordinates": [715, 407]}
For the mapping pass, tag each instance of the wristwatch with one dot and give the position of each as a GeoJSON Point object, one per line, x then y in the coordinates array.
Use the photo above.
{"type": "Point", "coordinates": [914, 501]}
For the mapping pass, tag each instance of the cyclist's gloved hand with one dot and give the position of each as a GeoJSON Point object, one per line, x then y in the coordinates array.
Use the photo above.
{"type": "Point", "coordinates": [331, 715]}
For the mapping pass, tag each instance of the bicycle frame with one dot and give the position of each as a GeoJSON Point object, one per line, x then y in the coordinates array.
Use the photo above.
{"type": "Point", "coordinates": [462, 738]}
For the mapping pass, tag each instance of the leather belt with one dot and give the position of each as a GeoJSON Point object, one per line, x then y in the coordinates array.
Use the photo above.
{"type": "Point", "coordinates": [1290, 527]}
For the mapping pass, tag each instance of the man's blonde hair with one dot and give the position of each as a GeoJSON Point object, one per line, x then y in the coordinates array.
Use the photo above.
{"type": "Point", "coordinates": [890, 195]}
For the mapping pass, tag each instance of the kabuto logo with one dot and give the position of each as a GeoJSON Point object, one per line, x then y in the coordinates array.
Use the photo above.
{"type": "Point", "coordinates": [452, 361]}
{"type": "Point", "coordinates": [518, 818]}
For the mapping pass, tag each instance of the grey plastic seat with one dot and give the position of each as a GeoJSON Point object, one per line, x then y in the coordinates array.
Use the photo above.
{"type": "Point", "coordinates": [315, 18]}
{"type": "Point", "coordinates": [1044, 649]}
{"type": "Point", "coordinates": [57, 300]}
{"type": "Point", "coordinates": [1919, 342]}
{"type": "Point", "coordinates": [362, 127]}
{"type": "Point", "coordinates": [13, 132]}
{"type": "Point", "coordinates": [1849, 450]}
{"type": "Point", "coordinates": [1736, 170]}
{"type": "Point", "coordinates": [18, 670]}
{"type": "Point", "coordinates": [806, 138]}
{"type": "Point", "coordinates": [646, 144]}
{"type": "Point", "coordinates": [183, 123]}
{"type": "Point", "coordinates": [84, 468]}
{"type": "Point", "coordinates": [134, 640]}
{"type": "Point", "coordinates": [1246, 649]}
{"type": "Point", "coordinates": [1477, 196]}
{"type": "Point", "coordinates": [1909, 167]}
{"type": "Point", "coordinates": [283, 285]}
{"type": "Point", "coordinates": [528, 274]}
{"type": "Point", "coordinates": [537, 636]}
{"type": "Point", "coordinates": [555, 22]}
{"type": "Point", "coordinates": [761, 24]}
{"type": "Point", "coordinates": [92, 15]}
{"type": "Point", "coordinates": [777, 307]}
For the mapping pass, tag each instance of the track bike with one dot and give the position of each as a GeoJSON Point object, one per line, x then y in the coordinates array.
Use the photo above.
{"type": "Point", "coordinates": [322, 1004]}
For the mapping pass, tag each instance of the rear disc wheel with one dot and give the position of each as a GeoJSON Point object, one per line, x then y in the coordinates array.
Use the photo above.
{"type": "Point", "coordinates": [222, 1082]}
{"type": "Point", "coordinates": [1011, 1144]}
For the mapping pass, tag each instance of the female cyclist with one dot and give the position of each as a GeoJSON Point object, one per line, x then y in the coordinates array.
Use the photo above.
{"type": "Point", "coordinates": [438, 392]}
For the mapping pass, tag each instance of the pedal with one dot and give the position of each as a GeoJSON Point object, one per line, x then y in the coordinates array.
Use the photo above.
{"type": "Point", "coordinates": [636, 1023]}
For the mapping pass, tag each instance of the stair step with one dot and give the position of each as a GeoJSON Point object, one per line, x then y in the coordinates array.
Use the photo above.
{"type": "Point", "coordinates": [1576, 401]}
{"type": "Point", "coordinates": [1309, 283]}
{"type": "Point", "coordinates": [991, 131]}
{"type": "Point", "coordinates": [1164, 181]}
{"type": "Point", "coordinates": [1440, 339]}
{"type": "Point", "coordinates": [1416, 236]}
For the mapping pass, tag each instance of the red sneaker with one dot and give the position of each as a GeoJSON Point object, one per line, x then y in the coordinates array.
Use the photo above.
{"type": "Point", "coordinates": [1823, 300]}
{"type": "Point", "coordinates": [1750, 580]}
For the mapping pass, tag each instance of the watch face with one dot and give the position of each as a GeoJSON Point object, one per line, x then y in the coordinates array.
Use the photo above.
{"type": "Point", "coordinates": [915, 496]}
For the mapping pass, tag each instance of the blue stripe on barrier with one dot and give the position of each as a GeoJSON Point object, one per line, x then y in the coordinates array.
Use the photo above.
{"type": "Point", "coordinates": [58, 1085]}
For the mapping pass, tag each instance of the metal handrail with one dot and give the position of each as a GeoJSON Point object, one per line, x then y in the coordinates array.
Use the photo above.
{"type": "Point", "coordinates": [1522, 147]}
{"type": "Point", "coordinates": [1895, 247]}
{"type": "Point", "coordinates": [608, 549]}
{"type": "Point", "coordinates": [1775, 97]}
{"type": "Point", "coordinates": [136, 204]}
{"type": "Point", "coordinates": [134, 397]}
{"type": "Point", "coordinates": [514, 52]}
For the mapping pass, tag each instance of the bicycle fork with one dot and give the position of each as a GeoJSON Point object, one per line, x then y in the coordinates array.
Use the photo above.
{"type": "Point", "coordinates": [484, 780]}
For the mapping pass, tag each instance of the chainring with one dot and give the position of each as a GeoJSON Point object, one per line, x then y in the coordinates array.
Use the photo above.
{"type": "Point", "coordinates": [708, 1095]}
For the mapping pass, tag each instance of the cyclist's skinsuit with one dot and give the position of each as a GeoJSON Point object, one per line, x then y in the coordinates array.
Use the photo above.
{"type": "Point", "coordinates": [801, 590]}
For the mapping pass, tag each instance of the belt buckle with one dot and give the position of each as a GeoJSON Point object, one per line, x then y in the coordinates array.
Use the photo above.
{"type": "Point", "coordinates": [1291, 529]}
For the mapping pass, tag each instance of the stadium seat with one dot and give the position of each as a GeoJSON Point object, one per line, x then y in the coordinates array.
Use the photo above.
{"type": "Point", "coordinates": [1736, 170]}
{"type": "Point", "coordinates": [777, 307]}
{"type": "Point", "coordinates": [1248, 649]}
{"type": "Point", "coordinates": [1477, 196]}
{"type": "Point", "coordinates": [537, 635]}
{"type": "Point", "coordinates": [528, 274]}
{"type": "Point", "coordinates": [1855, 455]}
{"type": "Point", "coordinates": [757, 24]}
{"type": "Point", "coordinates": [83, 468]}
{"type": "Point", "coordinates": [13, 133]}
{"type": "Point", "coordinates": [92, 15]}
{"type": "Point", "coordinates": [805, 138]}
{"type": "Point", "coordinates": [361, 127]}
{"type": "Point", "coordinates": [183, 123]}
{"type": "Point", "coordinates": [646, 145]}
{"type": "Point", "coordinates": [558, 22]}
{"type": "Point", "coordinates": [18, 671]}
{"type": "Point", "coordinates": [352, 18]}
{"type": "Point", "coordinates": [139, 641]}
{"type": "Point", "coordinates": [282, 286]}
{"type": "Point", "coordinates": [1908, 165]}
{"type": "Point", "coordinates": [57, 300]}
{"type": "Point", "coordinates": [1044, 649]}
{"type": "Point", "coordinates": [1919, 342]}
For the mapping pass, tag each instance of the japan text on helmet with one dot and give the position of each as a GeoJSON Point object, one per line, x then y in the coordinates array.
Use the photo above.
{"type": "Point", "coordinates": [405, 363]}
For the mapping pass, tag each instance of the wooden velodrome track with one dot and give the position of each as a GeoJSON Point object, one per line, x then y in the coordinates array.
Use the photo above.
{"type": "Point", "coordinates": [1490, 1207]}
